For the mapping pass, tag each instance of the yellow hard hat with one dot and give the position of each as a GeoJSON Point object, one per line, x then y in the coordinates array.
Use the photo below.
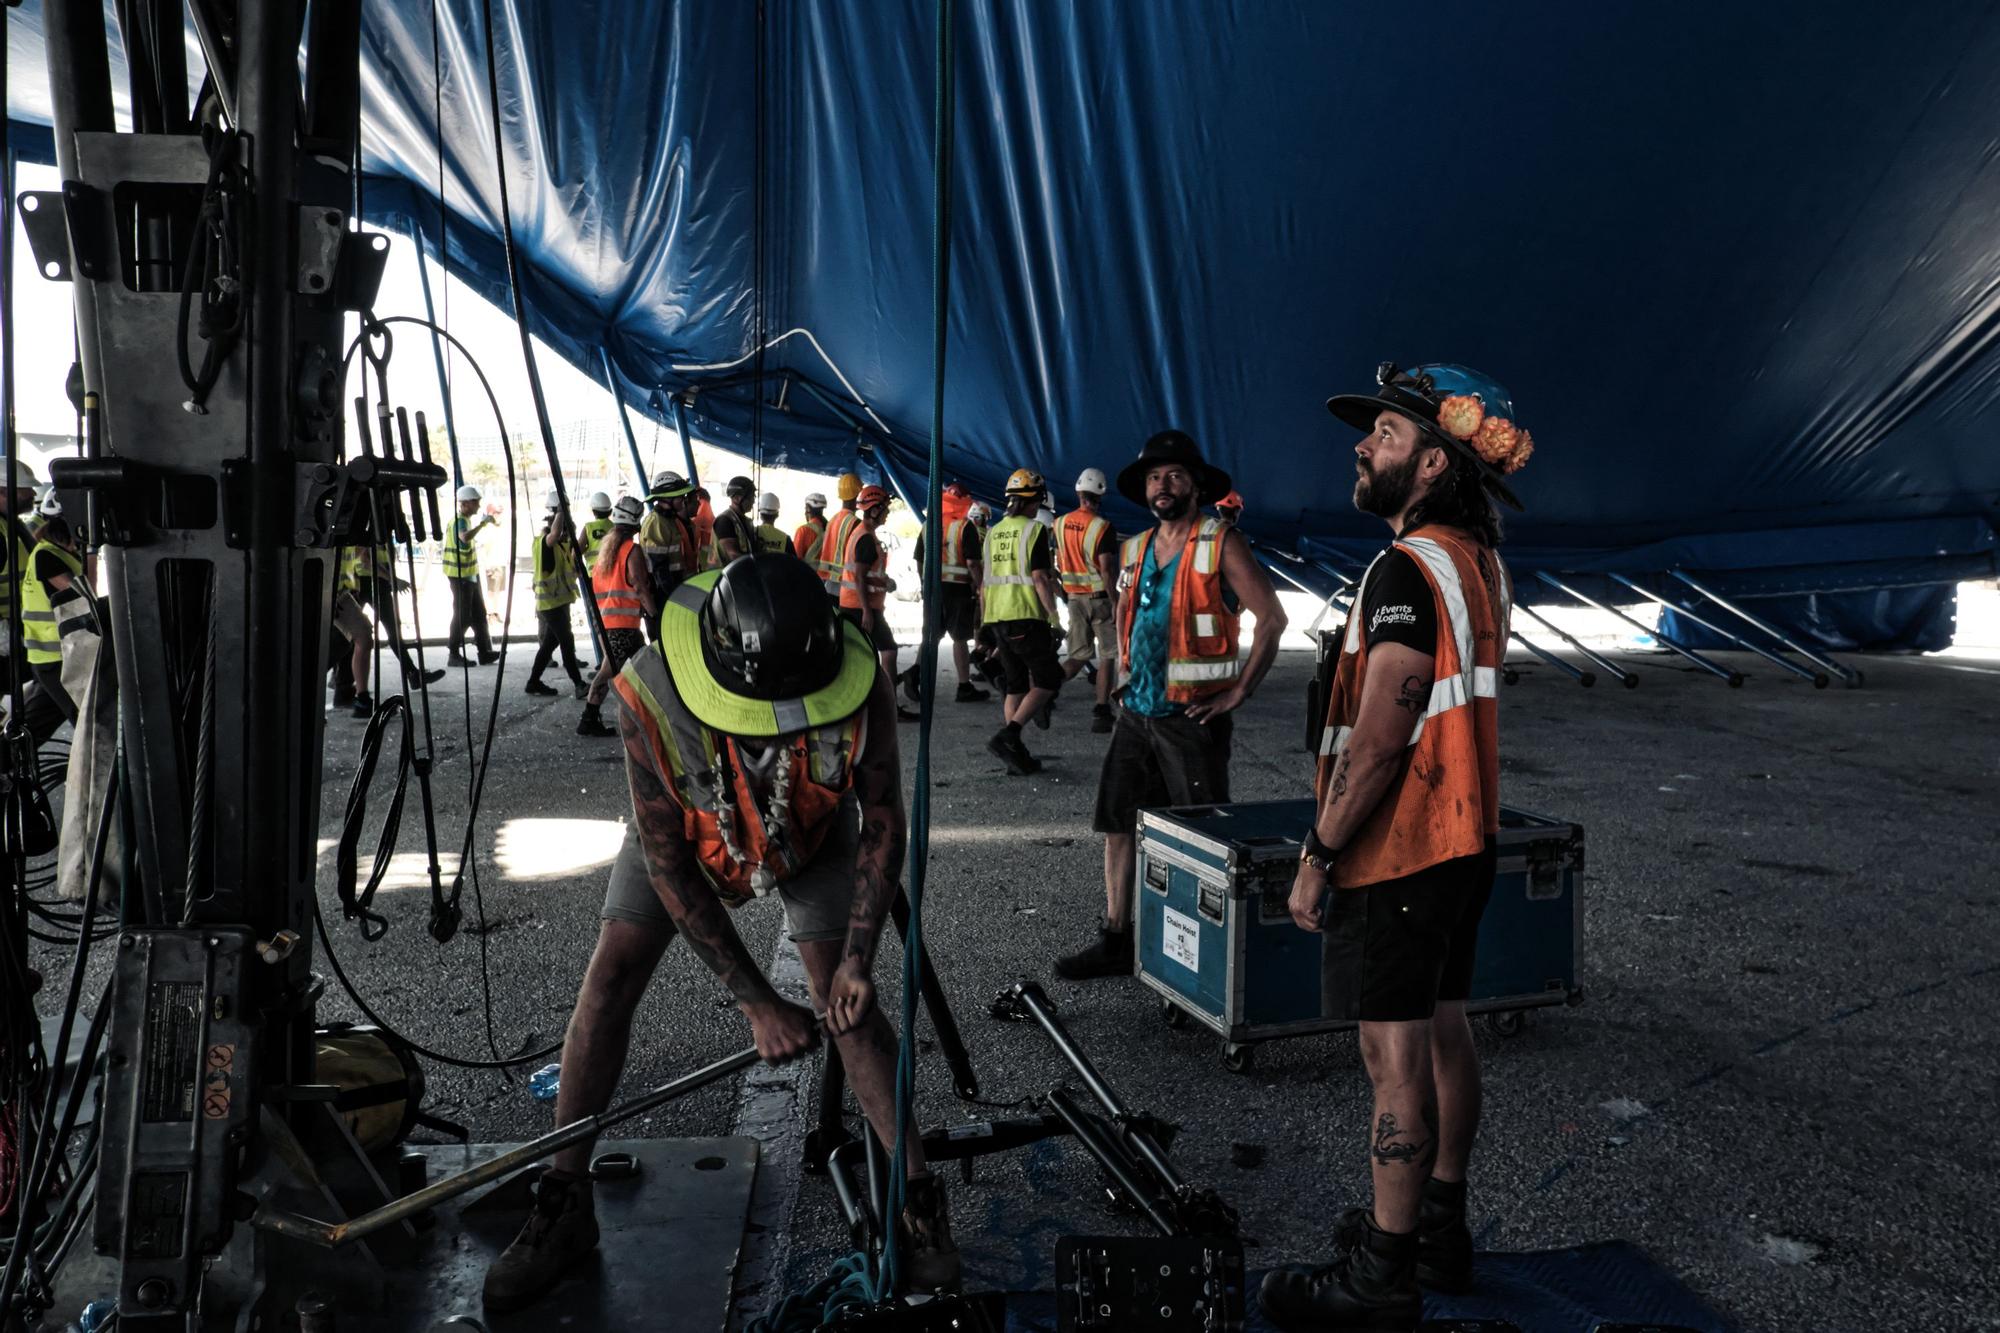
{"type": "Point", "coordinates": [1026, 483]}
{"type": "Point", "coordinates": [848, 486]}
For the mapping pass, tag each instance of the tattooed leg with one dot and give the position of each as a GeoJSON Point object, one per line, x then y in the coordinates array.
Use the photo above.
{"type": "Point", "coordinates": [1402, 1137]}
{"type": "Point", "coordinates": [868, 1054]}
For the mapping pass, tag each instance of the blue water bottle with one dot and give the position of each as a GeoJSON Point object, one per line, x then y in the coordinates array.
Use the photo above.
{"type": "Point", "coordinates": [542, 1084]}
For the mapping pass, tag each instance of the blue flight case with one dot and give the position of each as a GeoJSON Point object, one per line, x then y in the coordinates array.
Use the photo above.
{"type": "Point", "coordinates": [1217, 941]}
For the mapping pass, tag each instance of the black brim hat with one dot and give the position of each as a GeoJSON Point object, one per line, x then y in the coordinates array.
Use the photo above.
{"type": "Point", "coordinates": [1422, 393]}
{"type": "Point", "coordinates": [1173, 446]}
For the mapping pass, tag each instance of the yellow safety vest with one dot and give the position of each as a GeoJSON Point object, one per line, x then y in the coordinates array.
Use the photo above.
{"type": "Point", "coordinates": [1010, 588]}
{"type": "Point", "coordinates": [460, 560]}
{"type": "Point", "coordinates": [555, 578]}
{"type": "Point", "coordinates": [771, 540]}
{"type": "Point", "coordinates": [16, 571]}
{"type": "Point", "coordinates": [593, 537]}
{"type": "Point", "coordinates": [38, 617]}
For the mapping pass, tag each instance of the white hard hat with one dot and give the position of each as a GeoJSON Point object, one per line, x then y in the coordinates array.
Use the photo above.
{"type": "Point", "coordinates": [47, 504]}
{"type": "Point", "coordinates": [767, 503]}
{"type": "Point", "coordinates": [1092, 481]}
{"type": "Point", "coordinates": [1045, 516]}
{"type": "Point", "coordinates": [600, 503]}
{"type": "Point", "coordinates": [976, 511]}
{"type": "Point", "coordinates": [628, 510]}
{"type": "Point", "coordinates": [814, 500]}
{"type": "Point", "coordinates": [551, 502]}
{"type": "Point", "coordinates": [468, 493]}
{"type": "Point", "coordinates": [24, 476]}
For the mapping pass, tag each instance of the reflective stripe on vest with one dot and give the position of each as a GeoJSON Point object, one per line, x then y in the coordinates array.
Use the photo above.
{"type": "Point", "coordinates": [805, 542]}
{"type": "Point", "coordinates": [618, 602]}
{"type": "Point", "coordinates": [38, 618]}
{"type": "Point", "coordinates": [555, 578]}
{"type": "Point", "coordinates": [704, 772]}
{"type": "Point", "coordinates": [877, 574]}
{"type": "Point", "coordinates": [347, 575]}
{"type": "Point", "coordinates": [16, 571]}
{"type": "Point", "coordinates": [1202, 632]}
{"type": "Point", "coordinates": [1010, 587]}
{"type": "Point", "coordinates": [833, 549]}
{"type": "Point", "coordinates": [460, 560]}
{"type": "Point", "coordinates": [1455, 743]}
{"type": "Point", "coordinates": [955, 569]}
{"type": "Point", "coordinates": [1080, 534]}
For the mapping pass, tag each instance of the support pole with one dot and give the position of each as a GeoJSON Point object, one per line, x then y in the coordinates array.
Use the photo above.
{"type": "Point", "coordinates": [1624, 677]}
{"type": "Point", "coordinates": [687, 440]}
{"type": "Point", "coordinates": [1850, 677]}
{"type": "Point", "coordinates": [1583, 678]}
{"type": "Point", "coordinates": [624, 418]}
{"type": "Point", "coordinates": [1818, 678]}
{"type": "Point", "coordinates": [1735, 678]}
{"type": "Point", "coordinates": [437, 354]}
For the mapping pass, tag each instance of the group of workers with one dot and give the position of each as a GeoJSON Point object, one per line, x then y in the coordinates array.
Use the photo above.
{"type": "Point", "coordinates": [762, 753]}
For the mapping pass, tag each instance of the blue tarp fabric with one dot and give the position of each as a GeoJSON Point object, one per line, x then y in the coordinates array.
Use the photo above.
{"type": "Point", "coordinates": [1735, 262]}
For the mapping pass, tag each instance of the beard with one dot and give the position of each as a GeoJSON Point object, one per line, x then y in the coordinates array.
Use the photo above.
{"type": "Point", "coordinates": [1385, 492]}
{"type": "Point", "coordinates": [1168, 506]}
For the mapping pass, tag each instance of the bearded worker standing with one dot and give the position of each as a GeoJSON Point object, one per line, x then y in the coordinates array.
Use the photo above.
{"type": "Point", "coordinates": [1181, 588]}
{"type": "Point", "coordinates": [1398, 864]}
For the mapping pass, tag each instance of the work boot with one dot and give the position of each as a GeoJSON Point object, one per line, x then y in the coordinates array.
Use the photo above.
{"type": "Point", "coordinates": [968, 693]}
{"type": "Point", "coordinates": [582, 689]}
{"type": "Point", "coordinates": [1006, 743]}
{"type": "Point", "coordinates": [913, 689]}
{"type": "Point", "coordinates": [561, 1230]}
{"type": "Point", "coordinates": [456, 660]}
{"type": "Point", "coordinates": [905, 714]}
{"type": "Point", "coordinates": [1046, 713]}
{"type": "Point", "coordinates": [431, 677]}
{"type": "Point", "coordinates": [1090, 672]}
{"type": "Point", "coordinates": [591, 724]}
{"type": "Point", "coordinates": [1370, 1287]}
{"type": "Point", "coordinates": [1110, 956]}
{"type": "Point", "coordinates": [1444, 1242]}
{"type": "Point", "coordinates": [1100, 718]}
{"type": "Point", "coordinates": [537, 688]}
{"type": "Point", "coordinates": [363, 704]}
{"type": "Point", "coordinates": [933, 1263]}
{"type": "Point", "coordinates": [488, 658]}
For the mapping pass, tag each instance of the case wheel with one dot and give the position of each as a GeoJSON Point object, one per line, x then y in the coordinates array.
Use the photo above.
{"type": "Point", "coordinates": [1172, 1014]}
{"type": "Point", "coordinates": [1506, 1022]}
{"type": "Point", "coordinates": [1238, 1058]}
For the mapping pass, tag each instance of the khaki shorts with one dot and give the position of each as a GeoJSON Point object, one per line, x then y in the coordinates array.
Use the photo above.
{"type": "Point", "coordinates": [1093, 630]}
{"type": "Point", "coordinates": [817, 900]}
{"type": "Point", "coordinates": [348, 616]}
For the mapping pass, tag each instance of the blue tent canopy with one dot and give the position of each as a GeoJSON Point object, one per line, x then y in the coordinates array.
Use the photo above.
{"type": "Point", "coordinates": [1735, 262]}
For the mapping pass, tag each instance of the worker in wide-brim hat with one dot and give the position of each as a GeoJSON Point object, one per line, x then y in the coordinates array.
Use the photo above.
{"type": "Point", "coordinates": [760, 745]}
{"type": "Point", "coordinates": [1398, 862]}
{"type": "Point", "coordinates": [1182, 585]}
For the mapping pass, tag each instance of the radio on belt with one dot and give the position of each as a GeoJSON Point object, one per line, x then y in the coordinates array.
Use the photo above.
{"type": "Point", "coordinates": [1217, 941]}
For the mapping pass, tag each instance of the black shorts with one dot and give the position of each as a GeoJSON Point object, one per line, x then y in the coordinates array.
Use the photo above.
{"type": "Point", "coordinates": [1028, 655]}
{"type": "Point", "coordinates": [1156, 761]}
{"type": "Point", "coordinates": [958, 612]}
{"type": "Point", "coordinates": [881, 637]}
{"type": "Point", "coordinates": [1393, 951]}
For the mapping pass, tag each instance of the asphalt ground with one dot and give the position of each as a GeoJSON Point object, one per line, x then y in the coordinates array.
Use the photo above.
{"type": "Point", "coordinates": [1780, 1082]}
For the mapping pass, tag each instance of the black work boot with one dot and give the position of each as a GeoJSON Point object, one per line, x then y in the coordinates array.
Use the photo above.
{"type": "Point", "coordinates": [591, 724]}
{"type": "Point", "coordinates": [1444, 1242]}
{"type": "Point", "coordinates": [1006, 743]}
{"type": "Point", "coordinates": [1101, 720]}
{"type": "Point", "coordinates": [561, 1230]}
{"type": "Point", "coordinates": [913, 687]}
{"type": "Point", "coordinates": [535, 686]}
{"type": "Point", "coordinates": [933, 1263]}
{"type": "Point", "coordinates": [1370, 1287]}
{"type": "Point", "coordinates": [1109, 956]}
{"type": "Point", "coordinates": [968, 693]}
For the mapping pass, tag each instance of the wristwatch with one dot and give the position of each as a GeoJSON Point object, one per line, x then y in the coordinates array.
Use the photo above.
{"type": "Point", "coordinates": [1316, 853]}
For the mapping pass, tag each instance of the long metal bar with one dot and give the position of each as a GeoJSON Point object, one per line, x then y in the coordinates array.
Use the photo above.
{"type": "Point", "coordinates": [1735, 678]}
{"type": "Point", "coordinates": [1111, 1157]}
{"type": "Point", "coordinates": [1328, 599]}
{"type": "Point", "coordinates": [1625, 678]}
{"type": "Point", "coordinates": [1818, 678]}
{"type": "Point", "coordinates": [437, 348]}
{"type": "Point", "coordinates": [1850, 677]}
{"type": "Point", "coordinates": [687, 440]}
{"type": "Point", "coordinates": [624, 418]}
{"type": "Point", "coordinates": [1583, 678]}
{"type": "Point", "coordinates": [334, 1234]}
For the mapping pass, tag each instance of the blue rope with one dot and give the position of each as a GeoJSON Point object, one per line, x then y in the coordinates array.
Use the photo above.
{"type": "Point", "coordinates": [845, 1288]}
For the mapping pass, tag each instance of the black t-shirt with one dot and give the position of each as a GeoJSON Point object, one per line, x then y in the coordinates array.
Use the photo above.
{"type": "Point", "coordinates": [1397, 606]}
{"type": "Point", "coordinates": [1042, 550]}
{"type": "Point", "coordinates": [865, 551]}
{"type": "Point", "coordinates": [735, 527]}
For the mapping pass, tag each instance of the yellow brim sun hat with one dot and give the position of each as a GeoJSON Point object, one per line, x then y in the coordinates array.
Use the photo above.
{"type": "Point", "coordinates": [726, 710]}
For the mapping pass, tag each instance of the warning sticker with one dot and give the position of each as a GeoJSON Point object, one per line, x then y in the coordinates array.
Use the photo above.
{"type": "Point", "coordinates": [1180, 940]}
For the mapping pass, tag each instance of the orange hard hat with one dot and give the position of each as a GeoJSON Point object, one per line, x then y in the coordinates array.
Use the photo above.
{"type": "Point", "coordinates": [1233, 500]}
{"type": "Point", "coordinates": [870, 497]}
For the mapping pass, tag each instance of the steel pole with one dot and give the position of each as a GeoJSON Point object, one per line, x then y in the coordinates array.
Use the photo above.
{"type": "Point", "coordinates": [1583, 678]}
{"type": "Point", "coordinates": [1625, 678]}
{"type": "Point", "coordinates": [335, 1234]}
{"type": "Point", "coordinates": [1818, 678]}
{"type": "Point", "coordinates": [1735, 678]}
{"type": "Point", "coordinates": [1850, 677]}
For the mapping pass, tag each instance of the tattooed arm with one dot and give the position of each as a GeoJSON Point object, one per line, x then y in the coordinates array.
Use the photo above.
{"type": "Point", "coordinates": [878, 862]}
{"type": "Point", "coordinates": [783, 1030]}
{"type": "Point", "coordinates": [1393, 701]}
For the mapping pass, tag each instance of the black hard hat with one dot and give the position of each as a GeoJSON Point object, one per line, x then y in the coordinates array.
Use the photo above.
{"type": "Point", "coordinates": [740, 486]}
{"type": "Point", "coordinates": [768, 629]}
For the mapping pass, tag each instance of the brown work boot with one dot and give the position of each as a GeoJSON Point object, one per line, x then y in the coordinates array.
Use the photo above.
{"type": "Point", "coordinates": [561, 1230]}
{"type": "Point", "coordinates": [932, 1263]}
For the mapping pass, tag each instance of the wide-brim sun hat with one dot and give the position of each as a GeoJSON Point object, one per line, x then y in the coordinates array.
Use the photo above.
{"type": "Point", "coordinates": [1211, 483]}
{"type": "Point", "coordinates": [837, 690]}
{"type": "Point", "coordinates": [1465, 411]}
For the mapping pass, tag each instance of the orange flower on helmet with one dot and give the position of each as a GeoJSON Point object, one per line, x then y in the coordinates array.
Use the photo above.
{"type": "Point", "coordinates": [1461, 415]}
{"type": "Point", "coordinates": [1519, 459]}
{"type": "Point", "coordinates": [1495, 440]}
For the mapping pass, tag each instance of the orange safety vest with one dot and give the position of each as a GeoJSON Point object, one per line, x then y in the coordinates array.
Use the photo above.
{"type": "Point", "coordinates": [618, 601]}
{"type": "Point", "coordinates": [1079, 533]}
{"type": "Point", "coordinates": [805, 542]}
{"type": "Point", "coordinates": [953, 567]}
{"type": "Point", "coordinates": [1448, 802]}
{"type": "Point", "coordinates": [832, 546]}
{"type": "Point", "coordinates": [721, 816]}
{"type": "Point", "coordinates": [877, 576]}
{"type": "Point", "coordinates": [1201, 629]}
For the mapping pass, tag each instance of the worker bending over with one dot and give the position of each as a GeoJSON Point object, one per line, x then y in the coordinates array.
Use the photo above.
{"type": "Point", "coordinates": [1019, 604]}
{"type": "Point", "coordinates": [1087, 562]}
